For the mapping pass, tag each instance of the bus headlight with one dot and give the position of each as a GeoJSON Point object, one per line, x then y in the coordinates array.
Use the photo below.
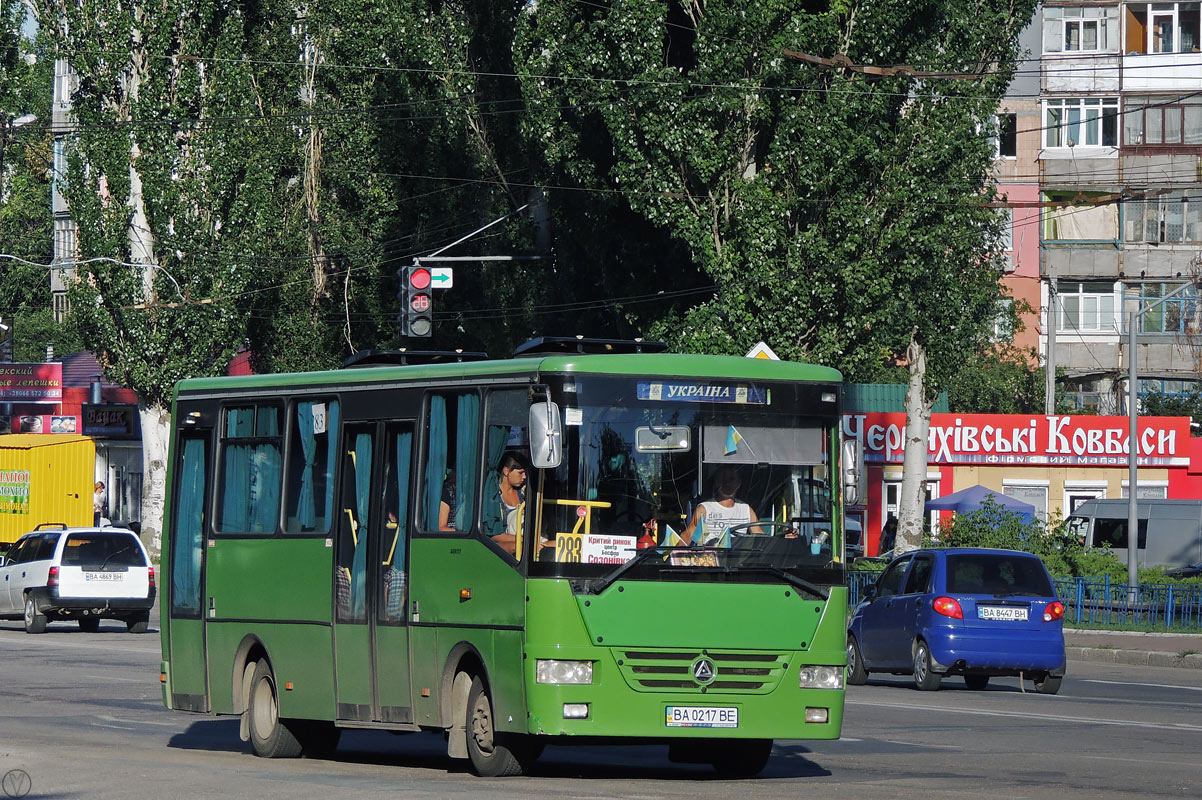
{"type": "Point", "coordinates": [553, 671]}
{"type": "Point", "coordinates": [821, 677]}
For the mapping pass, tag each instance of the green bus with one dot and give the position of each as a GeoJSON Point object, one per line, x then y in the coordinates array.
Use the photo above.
{"type": "Point", "coordinates": [496, 550]}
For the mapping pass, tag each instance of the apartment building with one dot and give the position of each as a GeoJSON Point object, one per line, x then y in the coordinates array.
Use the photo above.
{"type": "Point", "coordinates": [1016, 171]}
{"type": "Point", "coordinates": [1120, 174]}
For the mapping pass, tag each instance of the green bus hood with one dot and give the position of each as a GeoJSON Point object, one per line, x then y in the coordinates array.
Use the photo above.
{"type": "Point", "coordinates": [724, 615]}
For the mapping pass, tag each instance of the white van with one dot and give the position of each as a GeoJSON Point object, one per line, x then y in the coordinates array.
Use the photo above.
{"type": "Point", "coordinates": [1169, 533]}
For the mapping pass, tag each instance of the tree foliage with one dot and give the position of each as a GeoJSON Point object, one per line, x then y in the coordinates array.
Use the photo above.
{"type": "Point", "coordinates": [834, 213]}
{"type": "Point", "coordinates": [1064, 555]}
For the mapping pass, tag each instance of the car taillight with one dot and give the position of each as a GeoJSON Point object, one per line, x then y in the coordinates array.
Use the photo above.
{"type": "Point", "coordinates": [1053, 611]}
{"type": "Point", "coordinates": [52, 578]}
{"type": "Point", "coordinates": [150, 573]}
{"type": "Point", "coordinates": [948, 607]}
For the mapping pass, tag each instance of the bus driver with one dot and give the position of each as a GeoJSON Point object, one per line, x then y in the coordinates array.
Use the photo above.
{"type": "Point", "coordinates": [722, 513]}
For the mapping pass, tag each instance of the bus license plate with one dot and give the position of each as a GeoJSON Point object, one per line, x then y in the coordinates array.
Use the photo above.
{"type": "Point", "coordinates": [702, 717]}
{"type": "Point", "coordinates": [1015, 613]}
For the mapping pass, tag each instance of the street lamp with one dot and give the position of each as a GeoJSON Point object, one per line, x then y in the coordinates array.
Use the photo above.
{"type": "Point", "coordinates": [1133, 441]}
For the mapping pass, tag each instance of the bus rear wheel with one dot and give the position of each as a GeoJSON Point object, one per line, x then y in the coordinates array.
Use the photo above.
{"type": "Point", "coordinates": [268, 734]}
{"type": "Point", "coordinates": [493, 755]}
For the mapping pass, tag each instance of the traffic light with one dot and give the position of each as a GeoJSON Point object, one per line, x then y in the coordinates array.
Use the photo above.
{"type": "Point", "coordinates": [417, 310]}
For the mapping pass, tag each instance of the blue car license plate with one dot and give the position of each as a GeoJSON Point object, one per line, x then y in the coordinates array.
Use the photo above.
{"type": "Point", "coordinates": [1007, 613]}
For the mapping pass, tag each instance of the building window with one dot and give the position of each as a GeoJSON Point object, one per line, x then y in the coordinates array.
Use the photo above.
{"type": "Point", "coordinates": [1080, 216]}
{"type": "Point", "coordinates": [1080, 30]}
{"type": "Point", "coordinates": [1153, 492]}
{"type": "Point", "coordinates": [1162, 27]}
{"type": "Point", "coordinates": [1033, 494]}
{"type": "Point", "coordinates": [1081, 122]}
{"type": "Point", "coordinates": [1083, 395]}
{"type": "Point", "coordinates": [1162, 120]}
{"type": "Point", "coordinates": [1003, 321]}
{"type": "Point", "coordinates": [1172, 217]}
{"type": "Point", "coordinates": [1005, 143]}
{"type": "Point", "coordinates": [1086, 306]}
{"type": "Point", "coordinates": [1175, 315]}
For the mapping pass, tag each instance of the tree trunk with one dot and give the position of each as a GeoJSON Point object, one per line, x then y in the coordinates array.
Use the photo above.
{"type": "Point", "coordinates": [156, 428]}
{"type": "Point", "coordinates": [914, 467]}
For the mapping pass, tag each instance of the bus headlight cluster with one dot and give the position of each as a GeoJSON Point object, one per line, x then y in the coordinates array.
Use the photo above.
{"type": "Point", "coordinates": [821, 677]}
{"type": "Point", "coordinates": [552, 671]}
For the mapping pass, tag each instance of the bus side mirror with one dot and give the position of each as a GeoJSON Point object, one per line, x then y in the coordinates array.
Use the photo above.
{"type": "Point", "coordinates": [546, 435]}
{"type": "Point", "coordinates": [852, 467]}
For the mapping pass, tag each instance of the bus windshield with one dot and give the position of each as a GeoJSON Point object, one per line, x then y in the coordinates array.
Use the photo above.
{"type": "Point", "coordinates": [725, 481]}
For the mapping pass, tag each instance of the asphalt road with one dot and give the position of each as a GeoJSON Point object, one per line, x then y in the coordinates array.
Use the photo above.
{"type": "Point", "coordinates": [81, 715]}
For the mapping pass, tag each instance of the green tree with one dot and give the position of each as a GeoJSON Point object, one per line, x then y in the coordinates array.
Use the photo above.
{"type": "Point", "coordinates": [840, 216]}
{"type": "Point", "coordinates": [256, 174]}
{"type": "Point", "coordinates": [1159, 404]}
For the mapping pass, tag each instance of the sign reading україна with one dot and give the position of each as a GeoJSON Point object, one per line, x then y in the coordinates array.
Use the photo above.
{"type": "Point", "coordinates": [31, 381]}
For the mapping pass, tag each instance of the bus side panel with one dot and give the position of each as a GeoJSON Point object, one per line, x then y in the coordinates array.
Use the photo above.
{"type": "Point", "coordinates": [300, 654]}
{"type": "Point", "coordinates": [461, 591]}
{"type": "Point", "coordinates": [280, 591]}
{"type": "Point", "coordinates": [271, 579]}
{"type": "Point", "coordinates": [508, 681]}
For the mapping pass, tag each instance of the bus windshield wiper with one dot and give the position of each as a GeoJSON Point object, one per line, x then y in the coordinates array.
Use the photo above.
{"type": "Point", "coordinates": [787, 577]}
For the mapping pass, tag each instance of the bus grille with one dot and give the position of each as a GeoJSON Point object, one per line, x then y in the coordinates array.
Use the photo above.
{"type": "Point", "coordinates": [671, 670]}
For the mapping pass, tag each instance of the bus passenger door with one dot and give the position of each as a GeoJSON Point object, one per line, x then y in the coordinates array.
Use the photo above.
{"type": "Point", "coordinates": [184, 620]}
{"type": "Point", "coordinates": [353, 654]}
{"type": "Point", "coordinates": [371, 637]}
{"type": "Point", "coordinates": [391, 587]}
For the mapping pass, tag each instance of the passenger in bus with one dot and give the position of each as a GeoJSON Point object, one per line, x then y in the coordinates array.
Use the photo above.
{"type": "Point", "coordinates": [446, 506]}
{"type": "Point", "coordinates": [715, 517]}
{"type": "Point", "coordinates": [511, 476]}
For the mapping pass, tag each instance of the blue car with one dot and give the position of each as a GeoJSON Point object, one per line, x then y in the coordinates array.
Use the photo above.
{"type": "Point", "coordinates": [960, 611]}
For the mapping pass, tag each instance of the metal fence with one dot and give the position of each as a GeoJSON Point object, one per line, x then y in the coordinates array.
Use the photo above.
{"type": "Point", "coordinates": [1096, 602]}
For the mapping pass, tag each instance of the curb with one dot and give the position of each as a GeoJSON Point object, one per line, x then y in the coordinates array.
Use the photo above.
{"type": "Point", "coordinates": [1139, 658]}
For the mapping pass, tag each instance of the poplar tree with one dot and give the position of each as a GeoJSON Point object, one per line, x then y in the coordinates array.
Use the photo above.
{"type": "Point", "coordinates": [841, 215]}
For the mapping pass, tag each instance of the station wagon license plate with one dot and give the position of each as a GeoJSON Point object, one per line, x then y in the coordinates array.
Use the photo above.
{"type": "Point", "coordinates": [702, 717]}
{"type": "Point", "coordinates": [104, 576]}
{"type": "Point", "coordinates": [1012, 613]}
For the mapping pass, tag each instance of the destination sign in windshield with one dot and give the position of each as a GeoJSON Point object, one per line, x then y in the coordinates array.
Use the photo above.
{"type": "Point", "coordinates": [688, 392]}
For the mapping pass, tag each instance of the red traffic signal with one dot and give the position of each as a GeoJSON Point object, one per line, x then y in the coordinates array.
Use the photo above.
{"type": "Point", "coordinates": [419, 278]}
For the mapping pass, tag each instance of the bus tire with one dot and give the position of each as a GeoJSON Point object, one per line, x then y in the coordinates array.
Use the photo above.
{"type": "Point", "coordinates": [741, 758]}
{"type": "Point", "coordinates": [490, 752]}
{"type": "Point", "coordinates": [269, 737]}
{"type": "Point", "coordinates": [35, 622]}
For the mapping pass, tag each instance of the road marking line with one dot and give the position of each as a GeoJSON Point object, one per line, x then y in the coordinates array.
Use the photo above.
{"type": "Point", "coordinates": [1152, 685]}
{"type": "Point", "coordinates": [54, 643]}
{"type": "Point", "coordinates": [108, 718]}
{"type": "Point", "coordinates": [149, 679]}
{"type": "Point", "coordinates": [1023, 715]}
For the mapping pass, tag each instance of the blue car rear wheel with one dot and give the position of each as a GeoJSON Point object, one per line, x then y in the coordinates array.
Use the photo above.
{"type": "Point", "coordinates": [925, 678]}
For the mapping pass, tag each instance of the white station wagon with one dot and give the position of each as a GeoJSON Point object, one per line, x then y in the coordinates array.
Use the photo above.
{"type": "Point", "coordinates": [84, 574]}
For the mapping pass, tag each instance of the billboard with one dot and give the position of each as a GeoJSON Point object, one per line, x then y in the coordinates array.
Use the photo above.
{"type": "Point", "coordinates": [31, 382]}
{"type": "Point", "coordinates": [1000, 439]}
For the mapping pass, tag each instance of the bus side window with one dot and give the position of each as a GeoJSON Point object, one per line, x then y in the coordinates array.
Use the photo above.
{"type": "Point", "coordinates": [350, 577]}
{"type": "Point", "coordinates": [312, 456]}
{"type": "Point", "coordinates": [506, 469]}
{"type": "Point", "coordinates": [448, 493]}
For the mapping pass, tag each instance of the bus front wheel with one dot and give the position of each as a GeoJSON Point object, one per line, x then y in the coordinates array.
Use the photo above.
{"type": "Point", "coordinates": [268, 735]}
{"type": "Point", "coordinates": [493, 754]}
